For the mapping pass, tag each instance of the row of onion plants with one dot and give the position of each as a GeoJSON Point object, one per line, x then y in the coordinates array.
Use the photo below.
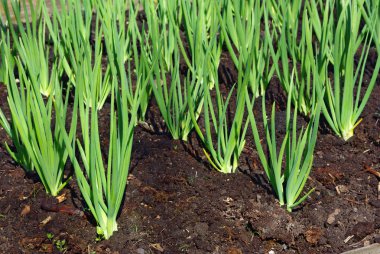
{"type": "Point", "coordinates": [64, 63]}
{"type": "Point", "coordinates": [38, 97]}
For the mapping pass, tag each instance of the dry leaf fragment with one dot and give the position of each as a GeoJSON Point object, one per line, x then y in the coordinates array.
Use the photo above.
{"type": "Point", "coordinates": [25, 210]}
{"type": "Point", "coordinates": [341, 189]}
{"type": "Point", "coordinates": [157, 246]}
{"type": "Point", "coordinates": [47, 248]}
{"type": "Point", "coordinates": [46, 221]}
{"type": "Point", "coordinates": [61, 198]}
{"type": "Point", "coordinates": [30, 243]}
{"type": "Point", "coordinates": [131, 177]}
{"type": "Point", "coordinates": [372, 171]}
{"type": "Point", "coordinates": [234, 251]}
{"type": "Point", "coordinates": [313, 234]}
{"type": "Point", "coordinates": [348, 238]}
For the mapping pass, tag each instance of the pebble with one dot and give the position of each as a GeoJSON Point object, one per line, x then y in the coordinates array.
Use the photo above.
{"type": "Point", "coordinates": [342, 189]}
{"type": "Point", "coordinates": [140, 251]}
{"type": "Point", "coordinates": [331, 218]}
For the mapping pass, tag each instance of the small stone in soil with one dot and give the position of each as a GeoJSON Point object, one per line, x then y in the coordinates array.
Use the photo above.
{"type": "Point", "coordinates": [140, 251]}
{"type": "Point", "coordinates": [341, 189]}
{"type": "Point", "coordinates": [331, 218]}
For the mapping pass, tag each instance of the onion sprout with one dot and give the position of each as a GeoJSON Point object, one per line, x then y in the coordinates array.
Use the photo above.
{"type": "Point", "coordinates": [343, 106]}
{"type": "Point", "coordinates": [228, 132]}
{"type": "Point", "coordinates": [19, 154]}
{"type": "Point", "coordinates": [30, 43]}
{"type": "Point", "coordinates": [287, 182]}
{"type": "Point", "coordinates": [172, 93]}
{"type": "Point", "coordinates": [301, 53]}
{"type": "Point", "coordinates": [32, 118]}
{"type": "Point", "coordinates": [103, 186]}
{"type": "Point", "coordinates": [240, 22]}
{"type": "Point", "coordinates": [122, 50]}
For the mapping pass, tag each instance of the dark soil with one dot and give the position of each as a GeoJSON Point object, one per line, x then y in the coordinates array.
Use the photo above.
{"type": "Point", "coordinates": [176, 203]}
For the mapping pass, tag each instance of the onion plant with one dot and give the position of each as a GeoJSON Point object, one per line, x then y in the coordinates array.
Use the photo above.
{"type": "Point", "coordinates": [322, 25]}
{"type": "Point", "coordinates": [30, 43]}
{"type": "Point", "coordinates": [125, 47]}
{"type": "Point", "coordinates": [296, 149]}
{"type": "Point", "coordinates": [32, 118]}
{"type": "Point", "coordinates": [70, 30]}
{"type": "Point", "coordinates": [285, 13]}
{"type": "Point", "coordinates": [172, 91]}
{"type": "Point", "coordinates": [371, 14]}
{"type": "Point", "coordinates": [343, 100]}
{"type": "Point", "coordinates": [91, 62]}
{"type": "Point", "coordinates": [102, 184]}
{"type": "Point", "coordinates": [120, 35]}
{"type": "Point", "coordinates": [275, 11]}
{"type": "Point", "coordinates": [3, 68]}
{"type": "Point", "coordinates": [240, 23]}
{"type": "Point", "coordinates": [69, 25]}
{"type": "Point", "coordinates": [4, 46]}
{"type": "Point", "coordinates": [377, 15]}
{"type": "Point", "coordinates": [163, 17]}
{"type": "Point", "coordinates": [4, 41]}
{"type": "Point", "coordinates": [300, 51]}
{"type": "Point", "coordinates": [173, 98]}
{"type": "Point", "coordinates": [18, 153]}
{"type": "Point", "coordinates": [160, 43]}
{"type": "Point", "coordinates": [201, 27]}
{"type": "Point", "coordinates": [224, 135]}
